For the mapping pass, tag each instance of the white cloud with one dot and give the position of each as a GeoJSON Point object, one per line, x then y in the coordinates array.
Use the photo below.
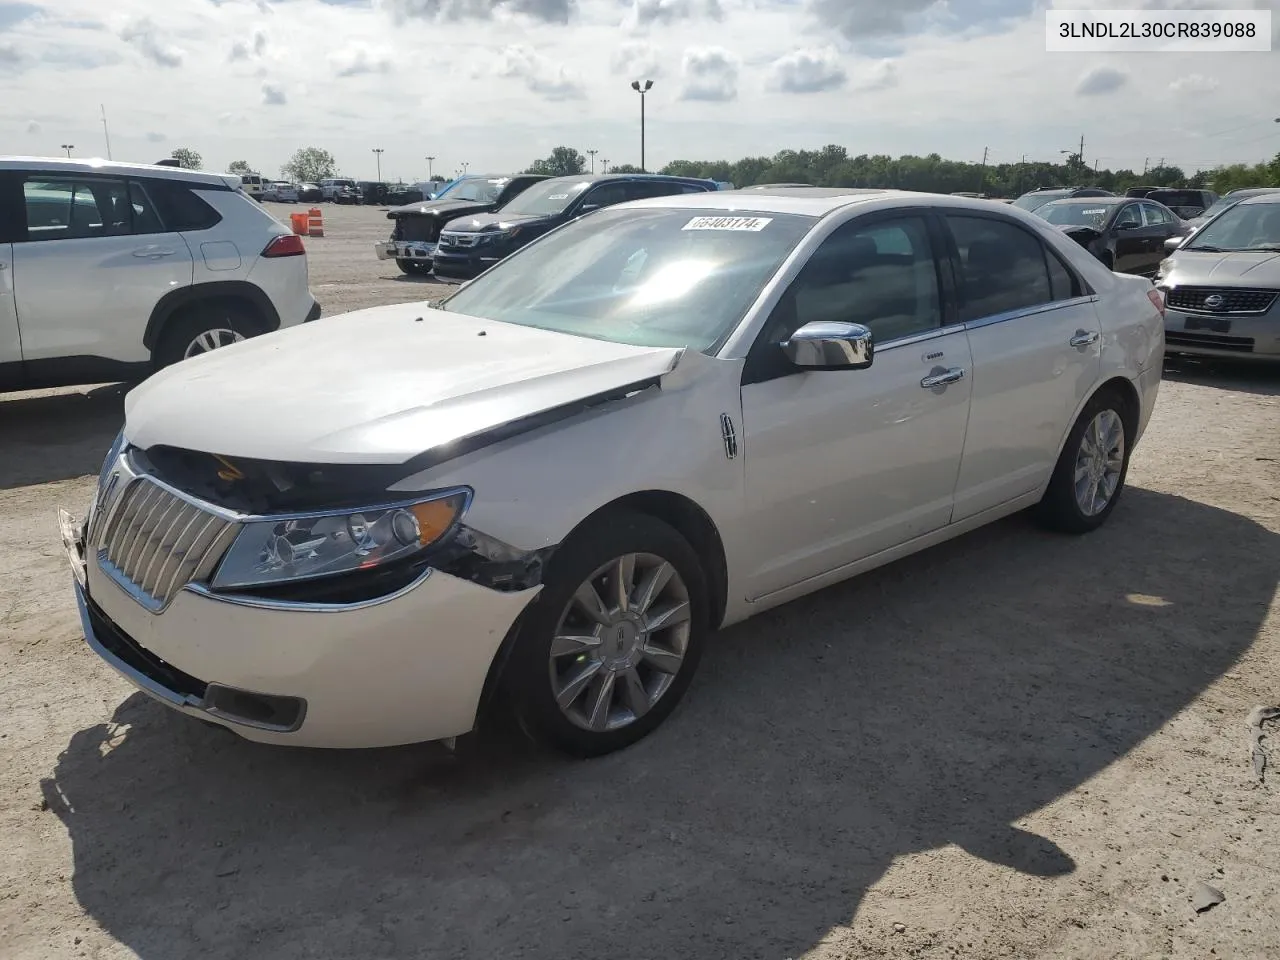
{"type": "Point", "coordinates": [253, 48]}
{"type": "Point", "coordinates": [1101, 80]}
{"type": "Point", "coordinates": [637, 59]}
{"type": "Point", "coordinates": [882, 76]}
{"type": "Point", "coordinates": [645, 13]}
{"type": "Point", "coordinates": [547, 11]}
{"type": "Point", "coordinates": [359, 58]}
{"type": "Point", "coordinates": [273, 95]}
{"type": "Point", "coordinates": [540, 75]}
{"type": "Point", "coordinates": [1194, 83]}
{"type": "Point", "coordinates": [146, 38]}
{"type": "Point", "coordinates": [808, 71]}
{"type": "Point", "coordinates": [709, 73]}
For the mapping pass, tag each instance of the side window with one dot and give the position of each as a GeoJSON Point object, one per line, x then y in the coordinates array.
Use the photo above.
{"type": "Point", "coordinates": [145, 218]}
{"type": "Point", "coordinates": [180, 208]}
{"type": "Point", "coordinates": [1002, 267]}
{"type": "Point", "coordinates": [73, 209]}
{"type": "Point", "coordinates": [881, 275]}
{"type": "Point", "coordinates": [1153, 216]}
{"type": "Point", "coordinates": [607, 194]}
{"type": "Point", "coordinates": [642, 190]}
{"type": "Point", "coordinates": [1063, 284]}
{"type": "Point", "coordinates": [1129, 214]}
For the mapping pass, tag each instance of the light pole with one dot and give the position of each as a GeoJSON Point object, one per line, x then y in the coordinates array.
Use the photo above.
{"type": "Point", "coordinates": [464, 168]}
{"type": "Point", "coordinates": [604, 166]}
{"type": "Point", "coordinates": [68, 147]}
{"type": "Point", "coordinates": [431, 164]}
{"type": "Point", "coordinates": [592, 155]}
{"type": "Point", "coordinates": [377, 154]}
{"type": "Point", "coordinates": [642, 89]}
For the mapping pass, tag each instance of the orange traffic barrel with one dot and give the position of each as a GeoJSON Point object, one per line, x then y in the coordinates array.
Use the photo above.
{"type": "Point", "coordinates": [298, 221]}
{"type": "Point", "coordinates": [315, 222]}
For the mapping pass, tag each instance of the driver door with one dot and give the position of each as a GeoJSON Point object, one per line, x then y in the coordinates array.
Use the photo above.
{"type": "Point", "coordinates": [844, 464]}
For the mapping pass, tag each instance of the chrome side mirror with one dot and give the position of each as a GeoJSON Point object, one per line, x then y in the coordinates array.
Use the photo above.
{"type": "Point", "coordinates": [826, 345]}
{"type": "Point", "coordinates": [1173, 243]}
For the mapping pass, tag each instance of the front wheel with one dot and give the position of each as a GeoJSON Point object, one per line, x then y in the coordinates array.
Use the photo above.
{"type": "Point", "coordinates": [413, 268]}
{"type": "Point", "coordinates": [202, 329]}
{"type": "Point", "coordinates": [610, 646]}
{"type": "Point", "coordinates": [1091, 470]}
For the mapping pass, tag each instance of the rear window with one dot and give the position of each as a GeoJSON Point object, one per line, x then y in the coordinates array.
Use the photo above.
{"type": "Point", "coordinates": [180, 207]}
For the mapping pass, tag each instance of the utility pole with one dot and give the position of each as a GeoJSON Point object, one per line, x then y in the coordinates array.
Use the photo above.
{"type": "Point", "coordinates": [431, 167]}
{"type": "Point", "coordinates": [68, 147]}
{"type": "Point", "coordinates": [1081, 153]}
{"type": "Point", "coordinates": [592, 155]}
{"type": "Point", "coordinates": [982, 171]}
{"type": "Point", "coordinates": [105, 132]}
{"type": "Point", "coordinates": [377, 153]}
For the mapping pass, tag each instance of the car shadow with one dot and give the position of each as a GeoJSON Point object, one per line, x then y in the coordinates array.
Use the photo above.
{"type": "Point", "coordinates": [935, 702]}
{"type": "Point", "coordinates": [50, 437]}
{"type": "Point", "coordinates": [1261, 379]}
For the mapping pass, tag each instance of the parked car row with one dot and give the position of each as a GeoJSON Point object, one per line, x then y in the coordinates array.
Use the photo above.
{"type": "Point", "coordinates": [478, 220]}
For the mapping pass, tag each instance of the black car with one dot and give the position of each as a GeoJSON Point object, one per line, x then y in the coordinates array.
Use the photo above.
{"type": "Point", "coordinates": [373, 192]}
{"type": "Point", "coordinates": [469, 245]}
{"type": "Point", "coordinates": [1038, 197]}
{"type": "Point", "coordinates": [417, 225]}
{"type": "Point", "coordinates": [310, 193]}
{"type": "Point", "coordinates": [1127, 235]}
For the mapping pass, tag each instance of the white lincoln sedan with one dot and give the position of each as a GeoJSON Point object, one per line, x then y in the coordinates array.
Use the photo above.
{"type": "Point", "coordinates": [545, 491]}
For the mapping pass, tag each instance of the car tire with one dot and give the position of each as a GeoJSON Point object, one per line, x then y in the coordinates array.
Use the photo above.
{"type": "Point", "coordinates": [1071, 503]}
{"type": "Point", "coordinates": [413, 268]}
{"type": "Point", "coordinates": [201, 328]}
{"type": "Point", "coordinates": [635, 673]}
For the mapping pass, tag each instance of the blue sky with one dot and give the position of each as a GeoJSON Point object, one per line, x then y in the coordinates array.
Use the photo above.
{"type": "Point", "coordinates": [498, 83]}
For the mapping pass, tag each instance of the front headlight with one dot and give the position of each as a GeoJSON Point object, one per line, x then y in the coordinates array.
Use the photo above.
{"type": "Point", "coordinates": [275, 551]}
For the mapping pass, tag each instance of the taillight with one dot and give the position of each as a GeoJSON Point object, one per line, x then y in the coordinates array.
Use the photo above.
{"type": "Point", "coordinates": [285, 245]}
{"type": "Point", "coordinates": [1156, 295]}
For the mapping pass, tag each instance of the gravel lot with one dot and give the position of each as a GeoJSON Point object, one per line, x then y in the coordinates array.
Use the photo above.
{"type": "Point", "coordinates": [1014, 745]}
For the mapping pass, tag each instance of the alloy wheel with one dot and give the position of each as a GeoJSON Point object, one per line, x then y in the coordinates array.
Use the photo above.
{"type": "Point", "coordinates": [211, 340]}
{"type": "Point", "coordinates": [620, 642]}
{"type": "Point", "coordinates": [1099, 463]}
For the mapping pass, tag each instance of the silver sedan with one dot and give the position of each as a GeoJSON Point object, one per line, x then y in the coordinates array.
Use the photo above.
{"type": "Point", "coordinates": [1222, 285]}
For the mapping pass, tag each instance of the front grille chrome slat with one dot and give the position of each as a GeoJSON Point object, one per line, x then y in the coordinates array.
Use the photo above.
{"type": "Point", "coordinates": [158, 541]}
{"type": "Point", "coordinates": [1229, 300]}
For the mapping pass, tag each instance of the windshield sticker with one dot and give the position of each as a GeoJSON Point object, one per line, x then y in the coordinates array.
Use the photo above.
{"type": "Point", "coordinates": [558, 196]}
{"type": "Point", "coordinates": [748, 224]}
{"type": "Point", "coordinates": [1098, 210]}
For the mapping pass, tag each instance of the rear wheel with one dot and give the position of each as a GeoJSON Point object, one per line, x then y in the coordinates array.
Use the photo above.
{"type": "Point", "coordinates": [203, 328]}
{"type": "Point", "coordinates": [1091, 470]}
{"type": "Point", "coordinates": [610, 646]}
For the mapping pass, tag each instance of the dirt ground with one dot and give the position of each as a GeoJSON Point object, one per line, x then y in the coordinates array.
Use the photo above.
{"type": "Point", "coordinates": [1015, 745]}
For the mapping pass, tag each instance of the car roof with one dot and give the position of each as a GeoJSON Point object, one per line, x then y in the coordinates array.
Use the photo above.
{"type": "Point", "coordinates": [97, 165]}
{"type": "Point", "coordinates": [1261, 199]}
{"type": "Point", "coordinates": [804, 201]}
{"type": "Point", "coordinates": [659, 177]}
{"type": "Point", "coordinates": [1090, 201]}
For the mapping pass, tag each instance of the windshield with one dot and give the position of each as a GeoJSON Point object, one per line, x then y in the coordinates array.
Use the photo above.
{"type": "Point", "coordinates": [545, 199]}
{"type": "Point", "coordinates": [473, 189]}
{"type": "Point", "coordinates": [1246, 226]}
{"type": "Point", "coordinates": [1069, 213]}
{"type": "Point", "coordinates": [1033, 200]}
{"type": "Point", "coordinates": [656, 277]}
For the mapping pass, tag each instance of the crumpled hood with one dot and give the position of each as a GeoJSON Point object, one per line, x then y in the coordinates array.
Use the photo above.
{"type": "Point", "coordinates": [1261, 267]}
{"type": "Point", "coordinates": [493, 221]}
{"type": "Point", "coordinates": [375, 386]}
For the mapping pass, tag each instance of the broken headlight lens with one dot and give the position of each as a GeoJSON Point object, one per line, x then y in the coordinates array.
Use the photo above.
{"type": "Point", "coordinates": [282, 550]}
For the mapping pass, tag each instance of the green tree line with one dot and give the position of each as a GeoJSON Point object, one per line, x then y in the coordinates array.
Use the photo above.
{"type": "Point", "coordinates": [832, 166]}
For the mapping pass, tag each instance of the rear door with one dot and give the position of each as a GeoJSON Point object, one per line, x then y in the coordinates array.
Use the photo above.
{"type": "Point", "coordinates": [1036, 345]}
{"type": "Point", "coordinates": [94, 261]}
{"type": "Point", "coordinates": [1158, 225]}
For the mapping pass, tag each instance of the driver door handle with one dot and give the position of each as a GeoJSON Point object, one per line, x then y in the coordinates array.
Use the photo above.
{"type": "Point", "coordinates": [1084, 338]}
{"type": "Point", "coordinates": [153, 252]}
{"type": "Point", "coordinates": [954, 375]}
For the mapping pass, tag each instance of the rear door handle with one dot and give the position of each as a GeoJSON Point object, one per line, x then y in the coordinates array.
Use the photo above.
{"type": "Point", "coordinates": [1083, 338]}
{"type": "Point", "coordinates": [954, 375]}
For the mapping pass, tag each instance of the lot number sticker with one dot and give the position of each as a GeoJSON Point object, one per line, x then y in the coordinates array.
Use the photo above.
{"type": "Point", "coordinates": [747, 224]}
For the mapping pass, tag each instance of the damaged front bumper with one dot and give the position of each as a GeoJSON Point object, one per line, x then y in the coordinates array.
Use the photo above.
{"type": "Point", "coordinates": [419, 251]}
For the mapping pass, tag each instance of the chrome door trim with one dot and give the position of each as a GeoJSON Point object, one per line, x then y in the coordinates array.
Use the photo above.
{"type": "Point", "coordinates": [1029, 311]}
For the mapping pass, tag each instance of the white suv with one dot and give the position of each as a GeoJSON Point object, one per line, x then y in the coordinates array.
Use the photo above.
{"type": "Point", "coordinates": [109, 271]}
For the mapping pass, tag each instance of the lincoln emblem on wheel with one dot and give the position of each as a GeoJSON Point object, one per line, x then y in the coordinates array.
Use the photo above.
{"type": "Point", "coordinates": [651, 422]}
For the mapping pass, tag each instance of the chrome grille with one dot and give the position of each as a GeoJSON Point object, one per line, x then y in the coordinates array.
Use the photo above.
{"type": "Point", "coordinates": [459, 239]}
{"type": "Point", "coordinates": [1222, 299]}
{"type": "Point", "coordinates": [155, 542]}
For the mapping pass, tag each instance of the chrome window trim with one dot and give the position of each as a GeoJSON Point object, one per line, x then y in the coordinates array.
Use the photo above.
{"type": "Point", "coordinates": [1029, 311]}
{"type": "Point", "coordinates": [299, 606]}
